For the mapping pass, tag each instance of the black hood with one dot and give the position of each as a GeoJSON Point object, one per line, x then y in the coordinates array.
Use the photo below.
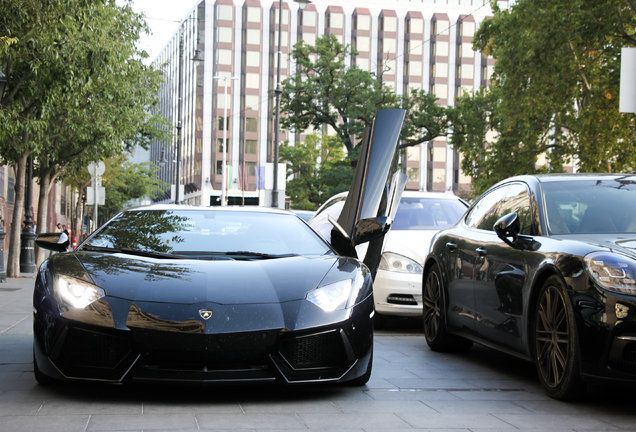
{"type": "Point", "coordinates": [192, 281]}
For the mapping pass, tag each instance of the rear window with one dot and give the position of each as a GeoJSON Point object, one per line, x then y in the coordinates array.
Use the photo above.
{"type": "Point", "coordinates": [427, 213]}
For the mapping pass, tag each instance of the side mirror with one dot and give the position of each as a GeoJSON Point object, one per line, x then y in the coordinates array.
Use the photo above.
{"type": "Point", "coordinates": [49, 241]}
{"type": "Point", "coordinates": [370, 228]}
{"type": "Point", "coordinates": [507, 228]}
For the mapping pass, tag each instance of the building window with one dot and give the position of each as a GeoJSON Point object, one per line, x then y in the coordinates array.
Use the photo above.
{"type": "Point", "coordinates": [10, 190]}
{"type": "Point", "coordinates": [251, 168]}
{"type": "Point", "coordinates": [251, 124]}
{"type": "Point", "coordinates": [309, 18]}
{"type": "Point", "coordinates": [413, 174]}
{"type": "Point", "coordinates": [251, 102]}
{"type": "Point", "coordinates": [415, 26]}
{"type": "Point", "coordinates": [466, 71]}
{"type": "Point", "coordinates": [309, 38]}
{"type": "Point", "coordinates": [221, 123]}
{"type": "Point", "coordinates": [363, 22]}
{"type": "Point", "coordinates": [253, 36]}
{"type": "Point", "coordinates": [414, 47]}
{"type": "Point", "coordinates": [440, 48]}
{"type": "Point", "coordinates": [253, 15]}
{"type": "Point", "coordinates": [251, 146]}
{"type": "Point", "coordinates": [389, 24]}
{"type": "Point", "coordinates": [252, 80]}
{"type": "Point", "coordinates": [221, 100]}
{"type": "Point", "coordinates": [224, 56]}
{"type": "Point", "coordinates": [225, 34]}
{"type": "Point", "coordinates": [440, 91]}
{"type": "Point", "coordinates": [414, 68]}
{"type": "Point", "coordinates": [363, 63]}
{"type": "Point", "coordinates": [467, 28]}
{"type": "Point", "coordinates": [224, 12]}
{"type": "Point", "coordinates": [440, 28]}
{"type": "Point", "coordinates": [253, 59]}
{"type": "Point", "coordinates": [363, 43]}
{"type": "Point", "coordinates": [440, 70]}
{"type": "Point", "coordinates": [336, 21]}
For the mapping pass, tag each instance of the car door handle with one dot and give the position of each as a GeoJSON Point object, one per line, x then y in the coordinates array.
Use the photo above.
{"type": "Point", "coordinates": [481, 251]}
{"type": "Point", "coordinates": [452, 247]}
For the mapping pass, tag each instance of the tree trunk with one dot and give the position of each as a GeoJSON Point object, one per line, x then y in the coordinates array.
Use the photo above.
{"type": "Point", "coordinates": [13, 258]}
{"type": "Point", "coordinates": [43, 211]}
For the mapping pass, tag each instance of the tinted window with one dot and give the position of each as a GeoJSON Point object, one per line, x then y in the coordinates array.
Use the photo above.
{"type": "Point", "coordinates": [427, 213]}
{"type": "Point", "coordinates": [505, 199]}
{"type": "Point", "coordinates": [591, 206]}
{"type": "Point", "coordinates": [178, 231]}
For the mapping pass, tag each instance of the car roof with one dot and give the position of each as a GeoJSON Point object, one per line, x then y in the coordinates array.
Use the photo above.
{"type": "Point", "coordinates": [561, 177]}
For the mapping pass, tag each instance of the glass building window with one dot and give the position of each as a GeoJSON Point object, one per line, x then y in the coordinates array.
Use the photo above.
{"type": "Point", "coordinates": [440, 70]}
{"type": "Point", "coordinates": [309, 18]}
{"type": "Point", "coordinates": [414, 47]}
{"type": "Point", "coordinates": [362, 43]}
{"type": "Point", "coordinates": [467, 28]}
{"type": "Point", "coordinates": [440, 48]}
{"type": "Point", "coordinates": [253, 15]}
{"type": "Point", "coordinates": [416, 25]}
{"type": "Point", "coordinates": [252, 80]}
{"type": "Point", "coordinates": [251, 102]}
{"type": "Point", "coordinates": [363, 63]}
{"type": "Point", "coordinates": [224, 12]}
{"type": "Point", "coordinates": [225, 34]}
{"type": "Point", "coordinates": [253, 36]}
{"type": "Point", "coordinates": [251, 146]}
{"type": "Point", "coordinates": [253, 59]}
{"type": "Point", "coordinates": [309, 38]}
{"type": "Point", "coordinates": [440, 91]}
{"type": "Point", "coordinates": [251, 124]}
{"type": "Point", "coordinates": [440, 28]}
{"type": "Point", "coordinates": [363, 22]}
{"type": "Point", "coordinates": [224, 56]}
{"type": "Point", "coordinates": [389, 46]}
{"type": "Point", "coordinates": [389, 24]}
{"type": "Point", "coordinates": [336, 20]}
{"type": "Point", "coordinates": [414, 68]}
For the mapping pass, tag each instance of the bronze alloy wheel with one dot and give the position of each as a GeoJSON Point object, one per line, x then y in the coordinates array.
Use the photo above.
{"type": "Point", "coordinates": [434, 315]}
{"type": "Point", "coordinates": [556, 352]}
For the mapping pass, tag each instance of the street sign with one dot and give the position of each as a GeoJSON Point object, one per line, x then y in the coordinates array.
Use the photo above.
{"type": "Point", "coordinates": [96, 168]}
{"type": "Point", "coordinates": [90, 195]}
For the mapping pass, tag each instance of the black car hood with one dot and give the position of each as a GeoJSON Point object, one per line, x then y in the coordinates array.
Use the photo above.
{"type": "Point", "coordinates": [620, 243]}
{"type": "Point", "coordinates": [191, 281]}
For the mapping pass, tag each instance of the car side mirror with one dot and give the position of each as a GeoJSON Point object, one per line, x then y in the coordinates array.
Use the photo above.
{"type": "Point", "coordinates": [49, 241]}
{"type": "Point", "coordinates": [507, 228]}
{"type": "Point", "coordinates": [370, 228]}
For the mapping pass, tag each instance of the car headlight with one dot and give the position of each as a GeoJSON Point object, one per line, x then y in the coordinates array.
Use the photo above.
{"type": "Point", "coordinates": [399, 263]}
{"type": "Point", "coordinates": [336, 295]}
{"type": "Point", "coordinates": [77, 293]}
{"type": "Point", "coordinates": [611, 271]}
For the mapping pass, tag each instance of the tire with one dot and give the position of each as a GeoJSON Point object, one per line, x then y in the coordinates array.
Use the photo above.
{"type": "Point", "coordinates": [434, 316]}
{"type": "Point", "coordinates": [555, 342]}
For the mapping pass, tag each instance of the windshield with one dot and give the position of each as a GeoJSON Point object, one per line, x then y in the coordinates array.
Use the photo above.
{"type": "Point", "coordinates": [197, 232]}
{"type": "Point", "coordinates": [416, 213]}
{"type": "Point", "coordinates": [591, 206]}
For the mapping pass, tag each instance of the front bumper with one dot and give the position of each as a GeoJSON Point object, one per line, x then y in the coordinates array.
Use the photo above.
{"type": "Point", "coordinates": [92, 346]}
{"type": "Point", "coordinates": [398, 293]}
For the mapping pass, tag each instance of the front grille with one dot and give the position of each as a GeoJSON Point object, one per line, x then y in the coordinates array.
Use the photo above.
{"type": "Point", "coordinates": [314, 351]}
{"type": "Point", "coordinates": [401, 299]}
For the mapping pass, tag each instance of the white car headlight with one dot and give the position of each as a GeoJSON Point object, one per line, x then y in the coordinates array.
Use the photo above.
{"type": "Point", "coordinates": [334, 296]}
{"type": "Point", "coordinates": [399, 263]}
{"type": "Point", "coordinates": [612, 271]}
{"type": "Point", "coordinates": [77, 293]}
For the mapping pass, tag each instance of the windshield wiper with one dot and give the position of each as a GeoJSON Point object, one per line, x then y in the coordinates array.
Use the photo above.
{"type": "Point", "coordinates": [241, 254]}
{"type": "Point", "coordinates": [149, 254]}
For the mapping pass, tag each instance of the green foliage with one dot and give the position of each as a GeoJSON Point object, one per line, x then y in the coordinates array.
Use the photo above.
{"type": "Point", "coordinates": [554, 91]}
{"type": "Point", "coordinates": [125, 181]}
{"type": "Point", "coordinates": [319, 170]}
{"type": "Point", "coordinates": [324, 92]}
{"type": "Point", "coordinates": [425, 119]}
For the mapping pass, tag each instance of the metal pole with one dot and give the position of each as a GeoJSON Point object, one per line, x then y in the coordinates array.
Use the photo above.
{"type": "Point", "coordinates": [95, 199]}
{"type": "Point", "coordinates": [27, 238]}
{"type": "Point", "coordinates": [179, 115]}
{"type": "Point", "coordinates": [224, 161]}
{"type": "Point", "coordinates": [278, 91]}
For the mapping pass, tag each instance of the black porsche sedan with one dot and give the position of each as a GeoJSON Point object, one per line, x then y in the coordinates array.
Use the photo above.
{"type": "Point", "coordinates": [171, 293]}
{"type": "Point", "coordinates": [542, 267]}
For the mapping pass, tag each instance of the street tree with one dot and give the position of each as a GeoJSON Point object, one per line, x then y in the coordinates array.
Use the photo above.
{"type": "Point", "coordinates": [317, 168]}
{"type": "Point", "coordinates": [554, 89]}
{"type": "Point", "coordinates": [77, 91]}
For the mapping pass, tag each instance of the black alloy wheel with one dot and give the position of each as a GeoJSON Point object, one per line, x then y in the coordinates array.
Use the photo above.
{"type": "Point", "coordinates": [556, 353]}
{"type": "Point", "coordinates": [434, 315]}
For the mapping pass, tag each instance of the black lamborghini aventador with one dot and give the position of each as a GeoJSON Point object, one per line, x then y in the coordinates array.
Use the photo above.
{"type": "Point", "coordinates": [172, 293]}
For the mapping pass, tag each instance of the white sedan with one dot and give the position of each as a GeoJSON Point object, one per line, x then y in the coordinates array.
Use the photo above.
{"type": "Point", "coordinates": [397, 288]}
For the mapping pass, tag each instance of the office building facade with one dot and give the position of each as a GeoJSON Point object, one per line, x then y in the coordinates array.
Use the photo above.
{"type": "Point", "coordinates": [227, 100]}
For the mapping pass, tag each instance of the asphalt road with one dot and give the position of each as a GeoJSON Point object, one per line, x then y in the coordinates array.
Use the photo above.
{"type": "Point", "coordinates": [411, 389]}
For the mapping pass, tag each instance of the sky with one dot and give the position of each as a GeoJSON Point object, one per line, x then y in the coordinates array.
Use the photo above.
{"type": "Point", "coordinates": [163, 18]}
